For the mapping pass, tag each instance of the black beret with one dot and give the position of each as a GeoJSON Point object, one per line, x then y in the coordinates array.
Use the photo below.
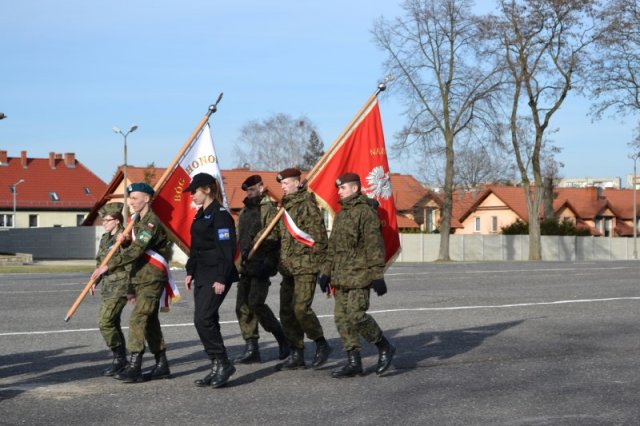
{"type": "Point", "coordinates": [287, 173]}
{"type": "Point", "coordinates": [200, 180]}
{"type": "Point", "coordinates": [141, 187]}
{"type": "Point", "coordinates": [250, 181]}
{"type": "Point", "coordinates": [346, 178]}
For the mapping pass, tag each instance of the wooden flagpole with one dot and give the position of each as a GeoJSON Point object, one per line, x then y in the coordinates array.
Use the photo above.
{"type": "Point", "coordinates": [325, 157]}
{"type": "Point", "coordinates": [159, 184]}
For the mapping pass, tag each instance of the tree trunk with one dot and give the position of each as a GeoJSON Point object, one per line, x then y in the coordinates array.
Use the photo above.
{"type": "Point", "coordinates": [447, 203]}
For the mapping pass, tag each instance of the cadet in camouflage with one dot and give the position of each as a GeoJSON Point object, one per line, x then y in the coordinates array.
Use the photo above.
{"type": "Point", "coordinates": [354, 265]}
{"type": "Point", "coordinates": [299, 266]}
{"type": "Point", "coordinates": [254, 283]}
{"type": "Point", "coordinates": [145, 288]}
{"type": "Point", "coordinates": [113, 293]}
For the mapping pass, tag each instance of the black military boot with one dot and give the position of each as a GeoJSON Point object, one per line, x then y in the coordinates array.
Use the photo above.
{"type": "Point", "coordinates": [206, 380]}
{"type": "Point", "coordinates": [160, 370]}
{"type": "Point", "coordinates": [323, 350]}
{"type": "Point", "coordinates": [295, 361]}
{"type": "Point", "coordinates": [284, 347]}
{"type": "Point", "coordinates": [133, 372]}
{"type": "Point", "coordinates": [385, 354]}
{"type": "Point", "coordinates": [224, 370]}
{"type": "Point", "coordinates": [352, 368]}
{"type": "Point", "coordinates": [251, 353]}
{"type": "Point", "coordinates": [119, 362]}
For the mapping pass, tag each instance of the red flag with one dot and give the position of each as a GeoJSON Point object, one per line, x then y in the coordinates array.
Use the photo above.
{"type": "Point", "coordinates": [171, 205]}
{"type": "Point", "coordinates": [362, 151]}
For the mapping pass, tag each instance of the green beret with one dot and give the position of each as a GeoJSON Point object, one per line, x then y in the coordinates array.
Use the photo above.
{"type": "Point", "coordinates": [140, 187]}
{"type": "Point", "coordinates": [110, 209]}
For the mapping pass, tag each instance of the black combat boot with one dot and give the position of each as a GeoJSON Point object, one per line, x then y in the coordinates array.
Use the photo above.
{"type": "Point", "coordinates": [251, 353]}
{"type": "Point", "coordinates": [352, 368]}
{"type": "Point", "coordinates": [119, 362]}
{"type": "Point", "coordinates": [284, 347]}
{"type": "Point", "coordinates": [295, 361]}
{"type": "Point", "coordinates": [224, 370]}
{"type": "Point", "coordinates": [323, 350]}
{"type": "Point", "coordinates": [133, 372]}
{"type": "Point", "coordinates": [385, 354]}
{"type": "Point", "coordinates": [206, 380]}
{"type": "Point", "coordinates": [160, 370]}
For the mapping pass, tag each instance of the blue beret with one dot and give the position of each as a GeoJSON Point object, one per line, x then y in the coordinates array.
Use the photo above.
{"type": "Point", "coordinates": [140, 187]}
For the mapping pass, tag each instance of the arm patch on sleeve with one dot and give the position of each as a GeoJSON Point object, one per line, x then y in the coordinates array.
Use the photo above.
{"type": "Point", "coordinates": [144, 237]}
{"type": "Point", "coordinates": [224, 234]}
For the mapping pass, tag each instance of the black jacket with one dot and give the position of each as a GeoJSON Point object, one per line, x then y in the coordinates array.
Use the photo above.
{"type": "Point", "coordinates": [213, 247]}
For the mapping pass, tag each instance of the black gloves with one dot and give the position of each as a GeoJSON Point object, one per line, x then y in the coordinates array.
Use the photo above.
{"type": "Point", "coordinates": [323, 282]}
{"type": "Point", "coordinates": [379, 287]}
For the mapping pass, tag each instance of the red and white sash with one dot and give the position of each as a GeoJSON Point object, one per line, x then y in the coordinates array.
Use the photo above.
{"type": "Point", "coordinates": [170, 292]}
{"type": "Point", "coordinates": [297, 233]}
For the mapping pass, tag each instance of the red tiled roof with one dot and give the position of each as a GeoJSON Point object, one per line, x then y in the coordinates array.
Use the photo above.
{"type": "Point", "coordinates": [622, 202]}
{"type": "Point", "coordinates": [407, 191]}
{"type": "Point", "coordinates": [76, 186]}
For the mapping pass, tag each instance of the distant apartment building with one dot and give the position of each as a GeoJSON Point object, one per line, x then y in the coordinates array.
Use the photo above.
{"type": "Point", "coordinates": [601, 182]}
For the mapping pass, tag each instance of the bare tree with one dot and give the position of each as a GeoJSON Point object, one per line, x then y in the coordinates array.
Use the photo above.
{"type": "Point", "coordinates": [432, 52]}
{"type": "Point", "coordinates": [543, 44]}
{"type": "Point", "coordinates": [276, 143]}
{"type": "Point", "coordinates": [616, 66]}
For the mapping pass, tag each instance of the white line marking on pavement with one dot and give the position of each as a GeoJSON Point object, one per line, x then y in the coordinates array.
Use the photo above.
{"type": "Point", "coordinates": [505, 271]}
{"type": "Point", "coordinates": [383, 311]}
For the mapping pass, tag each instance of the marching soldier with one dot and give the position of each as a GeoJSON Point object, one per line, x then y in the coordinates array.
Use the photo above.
{"type": "Point", "coordinates": [149, 241]}
{"type": "Point", "coordinates": [303, 239]}
{"type": "Point", "coordinates": [253, 287]}
{"type": "Point", "coordinates": [113, 292]}
{"type": "Point", "coordinates": [355, 265]}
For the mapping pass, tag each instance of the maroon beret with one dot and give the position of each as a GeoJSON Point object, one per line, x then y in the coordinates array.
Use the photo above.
{"type": "Point", "coordinates": [287, 173]}
{"type": "Point", "coordinates": [346, 178]}
{"type": "Point", "coordinates": [250, 181]}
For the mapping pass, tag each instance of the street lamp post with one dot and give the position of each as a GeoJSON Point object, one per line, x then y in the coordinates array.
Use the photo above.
{"type": "Point", "coordinates": [125, 195]}
{"type": "Point", "coordinates": [14, 200]}
{"type": "Point", "coordinates": [634, 157]}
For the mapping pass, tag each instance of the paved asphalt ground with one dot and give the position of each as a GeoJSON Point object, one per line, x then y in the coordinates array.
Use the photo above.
{"type": "Point", "coordinates": [478, 343]}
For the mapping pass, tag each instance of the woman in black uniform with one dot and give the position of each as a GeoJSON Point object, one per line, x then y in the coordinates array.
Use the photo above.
{"type": "Point", "coordinates": [211, 271]}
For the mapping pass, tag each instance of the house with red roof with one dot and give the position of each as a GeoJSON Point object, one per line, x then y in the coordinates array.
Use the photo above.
{"type": "Point", "coordinates": [46, 192]}
{"type": "Point", "coordinates": [604, 212]}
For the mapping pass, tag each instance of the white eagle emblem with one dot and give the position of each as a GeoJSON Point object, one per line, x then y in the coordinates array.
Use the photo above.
{"type": "Point", "coordinates": [379, 184]}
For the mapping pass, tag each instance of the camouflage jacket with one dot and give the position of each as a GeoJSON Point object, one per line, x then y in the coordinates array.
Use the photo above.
{"type": "Point", "coordinates": [106, 243]}
{"type": "Point", "coordinates": [356, 249]}
{"type": "Point", "coordinates": [255, 216]}
{"type": "Point", "coordinates": [295, 257]}
{"type": "Point", "coordinates": [149, 234]}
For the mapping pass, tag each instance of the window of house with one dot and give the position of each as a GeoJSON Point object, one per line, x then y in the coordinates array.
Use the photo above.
{"type": "Point", "coordinates": [79, 219]}
{"type": "Point", "coordinates": [477, 225]}
{"type": "Point", "coordinates": [87, 191]}
{"type": "Point", "coordinates": [494, 223]}
{"type": "Point", "coordinates": [607, 226]}
{"type": "Point", "coordinates": [54, 196]}
{"type": "Point", "coordinates": [33, 221]}
{"type": "Point", "coordinates": [6, 221]}
{"type": "Point", "coordinates": [598, 224]}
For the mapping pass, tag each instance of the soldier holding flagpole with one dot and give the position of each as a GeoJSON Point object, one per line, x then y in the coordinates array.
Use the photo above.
{"type": "Point", "coordinates": [147, 257]}
{"type": "Point", "coordinates": [303, 239]}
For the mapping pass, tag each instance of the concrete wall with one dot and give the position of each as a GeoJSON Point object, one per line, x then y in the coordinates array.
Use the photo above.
{"type": "Point", "coordinates": [425, 247]}
{"type": "Point", "coordinates": [82, 243]}
{"type": "Point", "coordinates": [47, 219]}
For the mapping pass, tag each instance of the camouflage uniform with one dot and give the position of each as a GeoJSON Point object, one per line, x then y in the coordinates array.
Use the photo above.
{"type": "Point", "coordinates": [299, 265]}
{"type": "Point", "coordinates": [253, 286]}
{"type": "Point", "coordinates": [147, 282]}
{"type": "Point", "coordinates": [113, 294]}
{"type": "Point", "coordinates": [355, 258]}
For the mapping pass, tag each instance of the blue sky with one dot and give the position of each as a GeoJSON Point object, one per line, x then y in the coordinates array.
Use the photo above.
{"type": "Point", "coordinates": [72, 70]}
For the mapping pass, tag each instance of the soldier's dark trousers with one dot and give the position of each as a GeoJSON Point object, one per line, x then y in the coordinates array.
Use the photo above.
{"type": "Point", "coordinates": [298, 319]}
{"type": "Point", "coordinates": [352, 320]}
{"type": "Point", "coordinates": [144, 323]}
{"type": "Point", "coordinates": [251, 308]}
{"type": "Point", "coordinates": [109, 321]}
{"type": "Point", "coordinates": [207, 319]}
